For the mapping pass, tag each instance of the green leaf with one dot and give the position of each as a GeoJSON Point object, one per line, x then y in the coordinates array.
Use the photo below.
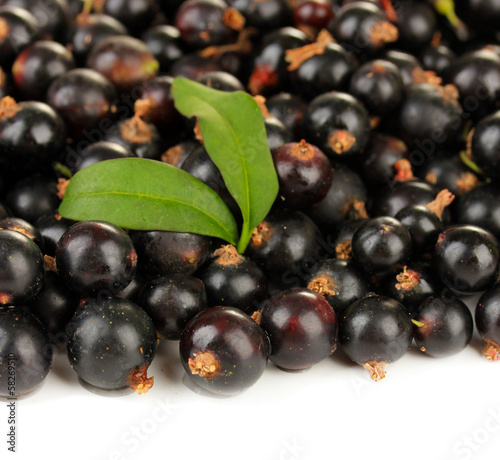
{"type": "Point", "coordinates": [234, 136]}
{"type": "Point", "coordinates": [144, 194]}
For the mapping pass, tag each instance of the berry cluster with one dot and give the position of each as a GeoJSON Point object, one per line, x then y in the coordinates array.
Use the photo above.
{"type": "Point", "coordinates": [383, 121]}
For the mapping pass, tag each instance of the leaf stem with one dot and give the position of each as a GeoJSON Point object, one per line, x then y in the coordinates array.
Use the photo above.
{"type": "Point", "coordinates": [246, 234]}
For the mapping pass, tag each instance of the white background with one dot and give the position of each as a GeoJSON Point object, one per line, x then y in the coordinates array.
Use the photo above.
{"type": "Point", "coordinates": [433, 409]}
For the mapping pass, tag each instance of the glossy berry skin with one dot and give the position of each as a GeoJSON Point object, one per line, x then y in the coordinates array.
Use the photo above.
{"type": "Point", "coordinates": [485, 148]}
{"type": "Point", "coordinates": [32, 136]}
{"type": "Point", "coordinates": [446, 329]}
{"type": "Point", "coordinates": [337, 123]}
{"type": "Point", "coordinates": [356, 25]}
{"type": "Point", "coordinates": [436, 110]}
{"type": "Point", "coordinates": [286, 244]}
{"type": "Point", "coordinates": [480, 206]}
{"type": "Point", "coordinates": [193, 66]}
{"type": "Point", "coordinates": [402, 194]}
{"type": "Point", "coordinates": [22, 270]}
{"type": "Point", "coordinates": [54, 306]}
{"type": "Point", "coordinates": [304, 174]}
{"type": "Point", "coordinates": [487, 320]}
{"type": "Point", "coordinates": [201, 23]}
{"type": "Point", "coordinates": [125, 61]}
{"type": "Point", "coordinates": [223, 350]}
{"type": "Point", "coordinates": [405, 62]}
{"type": "Point", "coordinates": [344, 201]}
{"type": "Point", "coordinates": [223, 81]}
{"type": "Point", "coordinates": [302, 328]}
{"type": "Point", "coordinates": [477, 73]}
{"type": "Point", "coordinates": [19, 23]}
{"type": "Point", "coordinates": [424, 227]}
{"type": "Point", "coordinates": [327, 71]}
{"type": "Point", "coordinates": [171, 301]}
{"type": "Point", "coordinates": [416, 24]}
{"type": "Point", "coordinates": [313, 13]}
{"type": "Point", "coordinates": [161, 252]}
{"type": "Point", "coordinates": [68, 93]}
{"type": "Point", "coordinates": [378, 85]}
{"type": "Point", "coordinates": [52, 226]}
{"type": "Point", "coordinates": [381, 154]}
{"type": "Point", "coordinates": [164, 41]}
{"type": "Point", "coordinates": [438, 59]}
{"type": "Point", "coordinates": [38, 66]}
{"type": "Point", "coordinates": [96, 152]}
{"type": "Point", "coordinates": [23, 227]}
{"type": "Point", "coordinates": [26, 352]}
{"type": "Point", "coordinates": [33, 197]}
{"type": "Point", "coordinates": [135, 15]}
{"type": "Point", "coordinates": [375, 331]}
{"type": "Point", "coordinates": [111, 343]}
{"type": "Point", "coordinates": [341, 282]}
{"type": "Point", "coordinates": [271, 14]}
{"type": "Point", "coordinates": [92, 256]}
{"type": "Point", "coordinates": [381, 245]}
{"type": "Point", "coordinates": [277, 133]}
{"type": "Point", "coordinates": [466, 258]}
{"type": "Point", "coordinates": [289, 109]}
{"type": "Point", "coordinates": [88, 30]}
{"type": "Point", "coordinates": [412, 285]}
{"type": "Point", "coordinates": [234, 280]}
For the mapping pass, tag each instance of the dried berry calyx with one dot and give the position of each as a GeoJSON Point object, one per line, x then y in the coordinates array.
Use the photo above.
{"type": "Point", "coordinates": [343, 250]}
{"type": "Point", "coordinates": [173, 155]}
{"type": "Point", "coordinates": [491, 350]}
{"type": "Point", "coordinates": [261, 233]}
{"type": "Point", "coordinates": [383, 32]}
{"type": "Point", "coordinates": [135, 129]}
{"type": "Point", "coordinates": [228, 255]}
{"type": "Point", "coordinates": [233, 19]}
{"type": "Point", "coordinates": [8, 107]}
{"type": "Point", "coordinates": [139, 380]}
{"type": "Point", "coordinates": [404, 171]}
{"type": "Point", "coordinates": [322, 285]}
{"type": "Point", "coordinates": [466, 182]}
{"type": "Point", "coordinates": [62, 185]}
{"type": "Point", "coordinates": [341, 141]}
{"type": "Point", "coordinates": [205, 365]}
{"type": "Point", "coordinates": [407, 279]}
{"type": "Point", "coordinates": [376, 369]}
{"type": "Point", "coordinates": [261, 102]}
{"type": "Point", "coordinates": [443, 199]}
{"type": "Point", "coordinates": [297, 56]}
{"type": "Point", "coordinates": [302, 150]}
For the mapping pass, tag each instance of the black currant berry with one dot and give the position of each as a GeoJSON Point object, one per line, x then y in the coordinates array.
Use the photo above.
{"type": "Point", "coordinates": [375, 331]}
{"type": "Point", "coordinates": [92, 256]}
{"type": "Point", "coordinates": [480, 206]}
{"type": "Point", "coordinates": [337, 123]}
{"type": "Point", "coordinates": [289, 109]}
{"type": "Point", "coordinates": [96, 152]}
{"type": "Point", "coordinates": [485, 146]}
{"type": "Point", "coordinates": [487, 318]}
{"type": "Point", "coordinates": [341, 282]}
{"type": "Point", "coordinates": [125, 61]}
{"type": "Point", "coordinates": [466, 258]}
{"type": "Point", "coordinates": [345, 200]}
{"type": "Point", "coordinates": [442, 326]}
{"type": "Point", "coordinates": [304, 174]}
{"type": "Point", "coordinates": [416, 25]}
{"type": "Point", "coordinates": [412, 285]}
{"type": "Point", "coordinates": [25, 353]}
{"type": "Point", "coordinates": [286, 245]}
{"type": "Point", "coordinates": [83, 98]}
{"type": "Point", "coordinates": [171, 301]}
{"type": "Point", "coordinates": [234, 280]}
{"type": "Point", "coordinates": [424, 222]}
{"type": "Point", "coordinates": [32, 136]}
{"type": "Point", "coordinates": [223, 81]}
{"type": "Point", "coordinates": [381, 245]}
{"type": "Point", "coordinates": [54, 306]}
{"type": "Point", "coordinates": [22, 269]}
{"type": "Point", "coordinates": [164, 253]}
{"type": "Point", "coordinates": [302, 328]}
{"type": "Point", "coordinates": [379, 86]}
{"type": "Point", "coordinates": [33, 197]}
{"type": "Point", "coordinates": [405, 62]}
{"type": "Point", "coordinates": [164, 41]}
{"type": "Point", "coordinates": [88, 30]}
{"type": "Point", "coordinates": [271, 14]}
{"type": "Point", "coordinates": [223, 350]}
{"type": "Point", "coordinates": [24, 227]}
{"type": "Point", "coordinates": [38, 66]}
{"type": "Point", "coordinates": [18, 29]}
{"type": "Point", "coordinates": [52, 226]}
{"type": "Point", "coordinates": [438, 59]}
{"type": "Point", "coordinates": [111, 343]}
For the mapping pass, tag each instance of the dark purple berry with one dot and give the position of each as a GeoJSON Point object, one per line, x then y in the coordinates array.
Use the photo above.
{"type": "Point", "coordinates": [111, 343]}
{"type": "Point", "coordinates": [223, 350]}
{"type": "Point", "coordinates": [302, 328]}
{"type": "Point", "coordinates": [487, 319]}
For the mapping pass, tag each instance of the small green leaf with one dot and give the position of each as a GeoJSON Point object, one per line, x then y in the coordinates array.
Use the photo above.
{"type": "Point", "coordinates": [234, 136]}
{"type": "Point", "coordinates": [144, 194]}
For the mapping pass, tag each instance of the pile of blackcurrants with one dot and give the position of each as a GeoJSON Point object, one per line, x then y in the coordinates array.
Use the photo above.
{"type": "Point", "coordinates": [383, 120]}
